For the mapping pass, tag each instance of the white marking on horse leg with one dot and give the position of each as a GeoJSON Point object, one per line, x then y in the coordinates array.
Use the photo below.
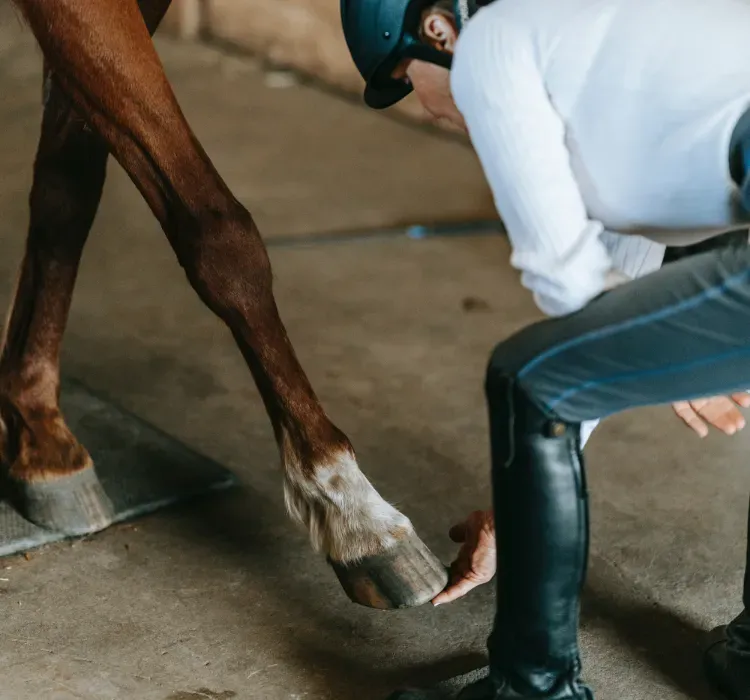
{"type": "Point", "coordinates": [345, 516]}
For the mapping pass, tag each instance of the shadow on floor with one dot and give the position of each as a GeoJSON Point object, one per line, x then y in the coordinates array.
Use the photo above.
{"type": "Point", "coordinates": [347, 652]}
{"type": "Point", "coordinates": [333, 635]}
{"type": "Point", "coordinates": [660, 637]}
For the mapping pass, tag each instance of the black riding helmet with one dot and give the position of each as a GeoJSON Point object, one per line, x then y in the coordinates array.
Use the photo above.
{"type": "Point", "coordinates": [382, 33]}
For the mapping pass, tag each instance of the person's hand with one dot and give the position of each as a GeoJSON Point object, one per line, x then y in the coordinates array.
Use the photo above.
{"type": "Point", "coordinates": [719, 411]}
{"type": "Point", "coordinates": [477, 558]}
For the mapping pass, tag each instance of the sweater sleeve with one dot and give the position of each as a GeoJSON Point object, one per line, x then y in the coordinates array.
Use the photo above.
{"type": "Point", "coordinates": [520, 141]}
{"type": "Point", "coordinates": [633, 255]}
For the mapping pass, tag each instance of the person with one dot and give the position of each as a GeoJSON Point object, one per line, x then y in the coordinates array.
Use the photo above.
{"type": "Point", "coordinates": [607, 130]}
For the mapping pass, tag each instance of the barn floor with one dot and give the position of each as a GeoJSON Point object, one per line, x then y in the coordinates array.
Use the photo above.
{"type": "Point", "coordinates": [223, 599]}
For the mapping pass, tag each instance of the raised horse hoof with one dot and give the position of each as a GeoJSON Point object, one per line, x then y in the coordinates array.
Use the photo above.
{"type": "Point", "coordinates": [405, 576]}
{"type": "Point", "coordinates": [74, 505]}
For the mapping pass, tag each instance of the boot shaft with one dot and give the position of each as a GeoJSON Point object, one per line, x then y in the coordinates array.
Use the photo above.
{"type": "Point", "coordinates": [541, 518]}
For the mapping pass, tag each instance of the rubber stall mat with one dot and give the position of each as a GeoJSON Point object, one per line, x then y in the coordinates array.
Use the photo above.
{"type": "Point", "coordinates": [141, 468]}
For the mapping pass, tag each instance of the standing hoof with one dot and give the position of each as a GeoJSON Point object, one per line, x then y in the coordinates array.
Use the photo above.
{"type": "Point", "coordinates": [74, 505]}
{"type": "Point", "coordinates": [405, 576]}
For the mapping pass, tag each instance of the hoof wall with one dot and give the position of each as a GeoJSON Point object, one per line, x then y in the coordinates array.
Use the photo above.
{"type": "Point", "coordinates": [405, 576]}
{"type": "Point", "coordinates": [74, 505]}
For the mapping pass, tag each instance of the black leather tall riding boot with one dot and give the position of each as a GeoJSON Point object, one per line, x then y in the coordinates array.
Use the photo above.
{"type": "Point", "coordinates": [727, 656]}
{"type": "Point", "coordinates": [541, 517]}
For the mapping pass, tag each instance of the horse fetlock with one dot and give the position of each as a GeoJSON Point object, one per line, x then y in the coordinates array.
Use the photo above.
{"type": "Point", "coordinates": [48, 475]}
{"type": "Point", "coordinates": [37, 445]}
{"type": "Point", "coordinates": [344, 515]}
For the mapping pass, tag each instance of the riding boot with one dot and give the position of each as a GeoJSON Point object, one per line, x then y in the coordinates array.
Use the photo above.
{"type": "Point", "coordinates": [541, 522]}
{"type": "Point", "coordinates": [727, 655]}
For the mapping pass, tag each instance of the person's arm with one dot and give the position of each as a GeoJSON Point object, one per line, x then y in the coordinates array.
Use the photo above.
{"type": "Point", "coordinates": [520, 141]}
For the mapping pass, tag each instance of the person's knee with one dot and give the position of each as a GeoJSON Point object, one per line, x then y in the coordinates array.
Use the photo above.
{"type": "Point", "coordinates": [511, 390]}
{"type": "Point", "coordinates": [506, 363]}
{"type": "Point", "coordinates": [499, 374]}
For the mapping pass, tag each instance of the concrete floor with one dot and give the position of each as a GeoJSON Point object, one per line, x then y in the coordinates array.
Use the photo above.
{"type": "Point", "coordinates": [224, 599]}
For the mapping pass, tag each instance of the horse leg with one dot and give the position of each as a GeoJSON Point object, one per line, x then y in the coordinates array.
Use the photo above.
{"type": "Point", "coordinates": [50, 476]}
{"type": "Point", "coordinates": [105, 61]}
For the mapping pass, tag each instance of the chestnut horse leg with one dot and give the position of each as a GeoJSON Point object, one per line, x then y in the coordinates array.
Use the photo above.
{"type": "Point", "coordinates": [105, 62]}
{"type": "Point", "coordinates": [50, 476]}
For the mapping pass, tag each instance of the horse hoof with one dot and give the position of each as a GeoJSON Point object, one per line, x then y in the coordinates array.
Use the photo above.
{"type": "Point", "coordinates": [405, 576]}
{"type": "Point", "coordinates": [74, 504]}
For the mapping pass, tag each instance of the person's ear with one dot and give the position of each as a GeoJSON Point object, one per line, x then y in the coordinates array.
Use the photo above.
{"type": "Point", "coordinates": [439, 30]}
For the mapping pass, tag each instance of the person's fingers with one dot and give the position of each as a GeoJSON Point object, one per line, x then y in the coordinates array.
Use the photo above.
{"type": "Point", "coordinates": [723, 414]}
{"type": "Point", "coordinates": [476, 560]}
{"type": "Point", "coordinates": [688, 416]}
{"type": "Point", "coordinates": [742, 399]}
{"type": "Point", "coordinates": [456, 590]}
{"type": "Point", "coordinates": [458, 532]}
{"type": "Point", "coordinates": [471, 569]}
{"type": "Point", "coordinates": [469, 528]}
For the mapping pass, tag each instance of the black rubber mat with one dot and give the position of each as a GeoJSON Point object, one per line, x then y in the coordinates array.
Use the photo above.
{"type": "Point", "coordinates": [141, 468]}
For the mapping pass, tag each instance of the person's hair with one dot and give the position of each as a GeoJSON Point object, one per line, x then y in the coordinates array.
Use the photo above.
{"type": "Point", "coordinates": [442, 6]}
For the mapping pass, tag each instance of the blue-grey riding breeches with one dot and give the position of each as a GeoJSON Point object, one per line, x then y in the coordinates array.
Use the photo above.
{"type": "Point", "coordinates": [679, 333]}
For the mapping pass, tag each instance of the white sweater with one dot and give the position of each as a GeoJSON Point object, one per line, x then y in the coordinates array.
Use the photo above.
{"type": "Point", "coordinates": [595, 118]}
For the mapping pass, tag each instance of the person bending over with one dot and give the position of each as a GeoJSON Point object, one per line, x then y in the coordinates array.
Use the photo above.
{"type": "Point", "coordinates": [607, 130]}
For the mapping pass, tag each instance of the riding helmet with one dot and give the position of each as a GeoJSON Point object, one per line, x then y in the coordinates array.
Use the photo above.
{"type": "Point", "coordinates": [382, 33]}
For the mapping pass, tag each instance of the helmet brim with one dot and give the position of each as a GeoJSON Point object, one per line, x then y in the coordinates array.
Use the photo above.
{"type": "Point", "coordinates": [383, 91]}
{"type": "Point", "coordinates": [386, 96]}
